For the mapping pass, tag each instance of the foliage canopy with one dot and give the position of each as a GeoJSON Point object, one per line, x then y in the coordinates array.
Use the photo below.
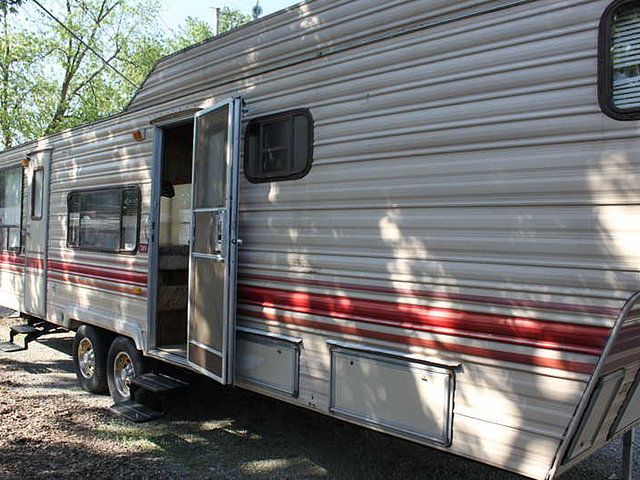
{"type": "Point", "coordinates": [50, 80]}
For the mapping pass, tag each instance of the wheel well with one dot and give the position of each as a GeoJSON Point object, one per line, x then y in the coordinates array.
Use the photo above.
{"type": "Point", "coordinates": [108, 334]}
{"type": "Point", "coordinates": [136, 336]}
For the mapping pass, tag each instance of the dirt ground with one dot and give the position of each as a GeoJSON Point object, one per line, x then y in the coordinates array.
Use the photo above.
{"type": "Point", "coordinates": [50, 429]}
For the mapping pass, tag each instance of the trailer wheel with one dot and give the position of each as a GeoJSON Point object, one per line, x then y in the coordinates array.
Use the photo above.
{"type": "Point", "coordinates": [90, 347]}
{"type": "Point", "coordinates": [124, 362]}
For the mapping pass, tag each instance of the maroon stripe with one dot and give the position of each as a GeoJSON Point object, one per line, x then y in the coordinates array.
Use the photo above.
{"type": "Point", "coordinates": [443, 296]}
{"type": "Point", "coordinates": [103, 278]}
{"type": "Point", "coordinates": [98, 284]}
{"type": "Point", "coordinates": [34, 263]}
{"type": "Point", "coordinates": [458, 333]}
{"type": "Point", "coordinates": [112, 274]}
{"type": "Point", "coordinates": [579, 338]}
{"type": "Point", "coordinates": [538, 361]}
{"type": "Point", "coordinates": [11, 259]}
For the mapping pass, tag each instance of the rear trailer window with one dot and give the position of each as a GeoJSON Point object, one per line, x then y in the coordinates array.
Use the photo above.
{"type": "Point", "coordinates": [104, 220]}
{"type": "Point", "coordinates": [619, 75]}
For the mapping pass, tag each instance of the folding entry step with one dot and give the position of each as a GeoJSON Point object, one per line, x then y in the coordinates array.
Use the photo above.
{"type": "Point", "coordinates": [30, 332]}
{"type": "Point", "coordinates": [134, 411]}
{"type": "Point", "coordinates": [157, 383]}
{"type": "Point", "coordinates": [150, 395]}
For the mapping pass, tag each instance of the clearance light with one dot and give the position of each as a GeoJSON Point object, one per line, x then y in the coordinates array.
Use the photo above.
{"type": "Point", "coordinates": [138, 135]}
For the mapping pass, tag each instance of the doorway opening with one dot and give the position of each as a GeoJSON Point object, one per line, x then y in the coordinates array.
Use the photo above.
{"type": "Point", "coordinates": [174, 236]}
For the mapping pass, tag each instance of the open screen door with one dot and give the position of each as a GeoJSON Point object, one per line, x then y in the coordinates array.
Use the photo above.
{"type": "Point", "coordinates": [213, 251]}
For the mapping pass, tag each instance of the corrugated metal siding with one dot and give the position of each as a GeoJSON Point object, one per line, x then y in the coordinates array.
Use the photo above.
{"type": "Point", "coordinates": [89, 286]}
{"type": "Point", "coordinates": [462, 174]}
{"type": "Point", "coordinates": [470, 159]}
{"type": "Point", "coordinates": [316, 28]}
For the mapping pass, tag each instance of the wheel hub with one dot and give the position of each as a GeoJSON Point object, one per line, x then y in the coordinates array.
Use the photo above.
{"type": "Point", "coordinates": [123, 373]}
{"type": "Point", "coordinates": [86, 358]}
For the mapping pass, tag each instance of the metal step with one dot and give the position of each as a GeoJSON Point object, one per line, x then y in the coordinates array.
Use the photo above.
{"type": "Point", "coordinates": [134, 411]}
{"type": "Point", "coordinates": [156, 383]}
{"type": "Point", "coordinates": [10, 347]}
{"type": "Point", "coordinates": [23, 329]}
{"type": "Point", "coordinates": [30, 334]}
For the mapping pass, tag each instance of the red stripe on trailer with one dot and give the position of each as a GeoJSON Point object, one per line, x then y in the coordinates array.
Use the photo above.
{"type": "Point", "coordinates": [34, 263]}
{"type": "Point", "coordinates": [111, 274]}
{"type": "Point", "coordinates": [98, 284]}
{"type": "Point", "coordinates": [12, 259]}
{"type": "Point", "coordinates": [538, 361]}
{"type": "Point", "coordinates": [103, 278]}
{"type": "Point", "coordinates": [566, 307]}
{"type": "Point", "coordinates": [459, 333]}
{"type": "Point", "coordinates": [539, 333]}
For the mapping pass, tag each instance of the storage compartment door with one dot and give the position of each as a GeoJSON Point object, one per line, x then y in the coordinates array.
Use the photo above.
{"type": "Point", "coordinates": [212, 260]}
{"type": "Point", "coordinates": [393, 394]}
{"type": "Point", "coordinates": [267, 361]}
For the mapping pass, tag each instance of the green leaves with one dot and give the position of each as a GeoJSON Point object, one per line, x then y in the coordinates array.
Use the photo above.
{"type": "Point", "coordinates": [49, 80]}
{"type": "Point", "coordinates": [231, 18]}
{"type": "Point", "coordinates": [9, 6]}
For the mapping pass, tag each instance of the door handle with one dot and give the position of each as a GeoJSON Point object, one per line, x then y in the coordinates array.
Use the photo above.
{"type": "Point", "coordinates": [221, 244]}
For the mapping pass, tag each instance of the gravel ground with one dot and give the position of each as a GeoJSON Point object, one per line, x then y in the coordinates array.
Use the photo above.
{"type": "Point", "coordinates": [50, 429]}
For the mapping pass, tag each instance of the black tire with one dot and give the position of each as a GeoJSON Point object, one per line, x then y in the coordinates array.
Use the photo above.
{"type": "Point", "coordinates": [90, 346]}
{"type": "Point", "coordinates": [123, 356]}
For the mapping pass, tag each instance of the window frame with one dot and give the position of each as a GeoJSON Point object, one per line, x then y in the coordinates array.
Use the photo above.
{"type": "Point", "coordinates": [33, 192]}
{"type": "Point", "coordinates": [4, 248]}
{"type": "Point", "coordinates": [261, 121]}
{"type": "Point", "coordinates": [605, 70]}
{"type": "Point", "coordinates": [121, 189]}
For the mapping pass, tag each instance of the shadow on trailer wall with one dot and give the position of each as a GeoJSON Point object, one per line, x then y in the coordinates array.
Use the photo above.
{"type": "Point", "coordinates": [439, 218]}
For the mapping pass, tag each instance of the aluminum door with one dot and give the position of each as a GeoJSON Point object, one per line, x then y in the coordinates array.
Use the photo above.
{"type": "Point", "coordinates": [213, 251]}
{"type": "Point", "coordinates": [35, 238]}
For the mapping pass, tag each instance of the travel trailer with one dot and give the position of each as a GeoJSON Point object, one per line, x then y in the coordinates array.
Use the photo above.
{"type": "Point", "coordinates": [422, 217]}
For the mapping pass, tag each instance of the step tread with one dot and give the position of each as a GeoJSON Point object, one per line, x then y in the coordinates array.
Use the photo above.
{"type": "Point", "coordinates": [155, 383]}
{"type": "Point", "coordinates": [134, 411]}
{"type": "Point", "coordinates": [10, 347]}
{"type": "Point", "coordinates": [23, 329]}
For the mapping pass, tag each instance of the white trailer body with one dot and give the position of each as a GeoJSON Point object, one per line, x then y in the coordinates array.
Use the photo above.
{"type": "Point", "coordinates": [457, 265]}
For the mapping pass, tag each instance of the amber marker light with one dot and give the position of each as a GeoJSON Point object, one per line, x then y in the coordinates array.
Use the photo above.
{"type": "Point", "coordinates": [138, 135]}
{"type": "Point", "coordinates": [25, 162]}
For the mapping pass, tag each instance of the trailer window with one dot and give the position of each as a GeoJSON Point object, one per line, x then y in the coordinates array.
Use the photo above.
{"type": "Point", "coordinates": [36, 193]}
{"type": "Point", "coordinates": [105, 220]}
{"type": "Point", "coordinates": [11, 209]}
{"type": "Point", "coordinates": [279, 147]}
{"type": "Point", "coordinates": [619, 75]}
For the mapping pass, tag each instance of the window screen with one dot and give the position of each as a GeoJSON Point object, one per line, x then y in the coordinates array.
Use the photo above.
{"type": "Point", "coordinates": [279, 147]}
{"type": "Point", "coordinates": [105, 220]}
{"type": "Point", "coordinates": [620, 60]}
{"type": "Point", "coordinates": [11, 209]}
